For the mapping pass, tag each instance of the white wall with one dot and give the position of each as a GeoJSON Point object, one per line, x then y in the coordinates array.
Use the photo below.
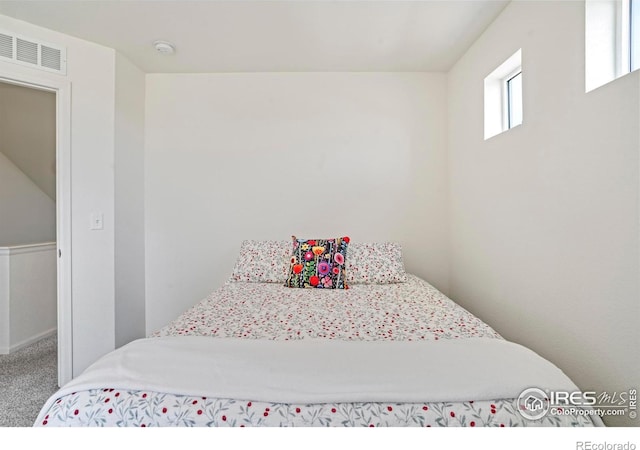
{"type": "Point", "coordinates": [28, 133]}
{"type": "Point", "coordinates": [5, 300]}
{"type": "Point", "coordinates": [544, 218]}
{"type": "Point", "coordinates": [129, 202]}
{"type": "Point", "coordinates": [90, 70]}
{"type": "Point", "coordinates": [27, 215]}
{"type": "Point", "coordinates": [264, 156]}
{"type": "Point", "coordinates": [27, 295]}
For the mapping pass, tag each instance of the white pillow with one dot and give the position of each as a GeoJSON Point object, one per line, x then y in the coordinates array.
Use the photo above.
{"type": "Point", "coordinates": [263, 261]}
{"type": "Point", "coordinates": [375, 263]}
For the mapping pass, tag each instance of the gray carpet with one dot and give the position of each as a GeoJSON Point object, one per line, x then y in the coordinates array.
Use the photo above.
{"type": "Point", "coordinates": [28, 378]}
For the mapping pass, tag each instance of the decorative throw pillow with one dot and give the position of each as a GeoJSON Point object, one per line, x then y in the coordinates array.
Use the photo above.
{"type": "Point", "coordinates": [318, 263]}
{"type": "Point", "coordinates": [262, 262]}
{"type": "Point", "coordinates": [375, 263]}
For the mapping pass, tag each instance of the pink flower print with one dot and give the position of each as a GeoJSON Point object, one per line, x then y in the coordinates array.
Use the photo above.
{"type": "Point", "coordinates": [323, 268]}
{"type": "Point", "coordinates": [339, 258]}
{"type": "Point", "coordinates": [327, 282]}
{"type": "Point", "coordinates": [308, 256]}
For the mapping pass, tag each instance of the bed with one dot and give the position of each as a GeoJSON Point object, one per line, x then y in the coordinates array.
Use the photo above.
{"type": "Point", "coordinates": [387, 349]}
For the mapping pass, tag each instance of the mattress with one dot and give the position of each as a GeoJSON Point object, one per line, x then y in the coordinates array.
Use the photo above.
{"type": "Point", "coordinates": [262, 354]}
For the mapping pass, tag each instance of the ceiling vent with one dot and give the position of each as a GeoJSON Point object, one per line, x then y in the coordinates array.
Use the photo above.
{"type": "Point", "coordinates": [32, 53]}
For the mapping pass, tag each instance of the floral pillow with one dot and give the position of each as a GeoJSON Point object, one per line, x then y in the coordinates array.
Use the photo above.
{"type": "Point", "coordinates": [262, 262]}
{"type": "Point", "coordinates": [375, 263]}
{"type": "Point", "coordinates": [318, 263]}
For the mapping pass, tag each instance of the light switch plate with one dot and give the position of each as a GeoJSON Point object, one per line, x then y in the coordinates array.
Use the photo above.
{"type": "Point", "coordinates": [97, 221]}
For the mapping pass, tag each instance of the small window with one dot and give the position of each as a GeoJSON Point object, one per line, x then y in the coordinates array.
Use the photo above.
{"type": "Point", "coordinates": [634, 34]}
{"type": "Point", "coordinates": [513, 100]}
{"type": "Point", "coordinates": [612, 40]}
{"type": "Point", "coordinates": [503, 97]}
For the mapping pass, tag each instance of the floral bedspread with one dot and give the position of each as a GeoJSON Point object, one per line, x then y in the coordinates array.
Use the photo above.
{"type": "Point", "coordinates": [413, 310]}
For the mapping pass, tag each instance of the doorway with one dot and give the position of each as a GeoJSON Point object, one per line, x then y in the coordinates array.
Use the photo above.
{"type": "Point", "coordinates": [36, 148]}
{"type": "Point", "coordinates": [27, 216]}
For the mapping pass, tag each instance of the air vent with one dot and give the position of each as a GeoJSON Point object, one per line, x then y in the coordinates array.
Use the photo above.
{"type": "Point", "coordinates": [50, 57]}
{"type": "Point", "coordinates": [32, 53]}
{"type": "Point", "coordinates": [6, 46]}
{"type": "Point", "coordinates": [26, 51]}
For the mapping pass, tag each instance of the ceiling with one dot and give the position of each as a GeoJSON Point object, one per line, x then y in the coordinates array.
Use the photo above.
{"type": "Point", "coordinates": [272, 36]}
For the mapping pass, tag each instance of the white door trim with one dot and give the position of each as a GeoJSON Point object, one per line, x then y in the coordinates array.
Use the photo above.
{"type": "Point", "coordinates": [62, 89]}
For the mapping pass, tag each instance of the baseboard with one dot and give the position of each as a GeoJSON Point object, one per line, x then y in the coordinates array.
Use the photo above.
{"type": "Point", "coordinates": [31, 340]}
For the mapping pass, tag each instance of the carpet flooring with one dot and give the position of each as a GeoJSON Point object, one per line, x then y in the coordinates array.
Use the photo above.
{"type": "Point", "coordinates": [28, 378]}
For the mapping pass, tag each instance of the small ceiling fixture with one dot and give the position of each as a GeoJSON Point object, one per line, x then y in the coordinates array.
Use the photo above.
{"type": "Point", "coordinates": [164, 47]}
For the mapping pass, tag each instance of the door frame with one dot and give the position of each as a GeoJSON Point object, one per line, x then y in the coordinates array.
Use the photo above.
{"type": "Point", "coordinates": [62, 90]}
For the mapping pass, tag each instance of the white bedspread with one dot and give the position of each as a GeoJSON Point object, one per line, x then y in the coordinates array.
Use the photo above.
{"type": "Point", "coordinates": [322, 371]}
